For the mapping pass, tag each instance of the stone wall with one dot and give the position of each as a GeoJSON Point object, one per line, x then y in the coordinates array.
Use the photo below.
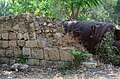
{"type": "Point", "coordinates": [39, 37]}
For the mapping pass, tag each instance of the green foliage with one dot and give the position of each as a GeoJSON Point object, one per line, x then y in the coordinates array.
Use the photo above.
{"type": "Point", "coordinates": [104, 13]}
{"type": "Point", "coordinates": [4, 8]}
{"type": "Point", "coordinates": [117, 8]}
{"type": "Point", "coordinates": [73, 8]}
{"type": "Point", "coordinates": [107, 51]}
{"type": "Point", "coordinates": [100, 10]}
{"type": "Point", "coordinates": [22, 58]}
{"type": "Point", "coordinates": [65, 67]}
{"type": "Point", "coordinates": [22, 6]}
{"type": "Point", "coordinates": [116, 16]}
{"type": "Point", "coordinates": [79, 57]}
{"type": "Point", "coordinates": [58, 9]}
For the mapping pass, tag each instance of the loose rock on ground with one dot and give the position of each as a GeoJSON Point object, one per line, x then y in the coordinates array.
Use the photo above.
{"type": "Point", "coordinates": [60, 71]}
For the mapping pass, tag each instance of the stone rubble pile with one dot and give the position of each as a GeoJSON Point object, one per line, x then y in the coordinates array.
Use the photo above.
{"type": "Point", "coordinates": [39, 37]}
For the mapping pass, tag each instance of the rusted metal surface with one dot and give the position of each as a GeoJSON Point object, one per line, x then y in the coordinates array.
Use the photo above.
{"type": "Point", "coordinates": [92, 32]}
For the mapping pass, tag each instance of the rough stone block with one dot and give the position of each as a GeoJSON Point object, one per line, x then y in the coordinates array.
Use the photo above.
{"type": "Point", "coordinates": [26, 51]}
{"type": "Point", "coordinates": [51, 54]}
{"type": "Point", "coordinates": [32, 35]}
{"type": "Point", "coordinates": [31, 44]}
{"type": "Point", "coordinates": [0, 43]}
{"type": "Point", "coordinates": [16, 27]}
{"type": "Point", "coordinates": [4, 61]}
{"type": "Point", "coordinates": [41, 42]}
{"type": "Point", "coordinates": [7, 26]}
{"type": "Point", "coordinates": [12, 35]}
{"type": "Point", "coordinates": [12, 61]}
{"type": "Point", "coordinates": [23, 26]}
{"type": "Point", "coordinates": [32, 28]}
{"type": "Point", "coordinates": [4, 44]}
{"type": "Point", "coordinates": [20, 42]}
{"type": "Point", "coordinates": [90, 64]}
{"type": "Point", "coordinates": [2, 18]}
{"type": "Point", "coordinates": [17, 52]}
{"type": "Point", "coordinates": [1, 28]}
{"type": "Point", "coordinates": [44, 23]}
{"type": "Point", "coordinates": [33, 62]}
{"type": "Point", "coordinates": [54, 30]}
{"type": "Point", "coordinates": [32, 25]}
{"type": "Point", "coordinates": [47, 31]}
{"type": "Point", "coordinates": [26, 36]}
{"type": "Point", "coordinates": [19, 36]}
{"type": "Point", "coordinates": [7, 17]}
{"type": "Point", "coordinates": [43, 62]}
{"type": "Point", "coordinates": [0, 36]}
{"type": "Point", "coordinates": [12, 44]}
{"type": "Point", "coordinates": [66, 55]}
{"type": "Point", "coordinates": [50, 25]}
{"type": "Point", "coordinates": [37, 53]}
{"type": "Point", "coordinates": [57, 35]}
{"type": "Point", "coordinates": [2, 52]}
{"type": "Point", "coordinates": [9, 53]}
{"type": "Point", "coordinates": [5, 36]}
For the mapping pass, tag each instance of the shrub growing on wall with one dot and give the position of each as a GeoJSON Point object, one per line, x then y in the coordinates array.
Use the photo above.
{"type": "Point", "coordinates": [107, 51]}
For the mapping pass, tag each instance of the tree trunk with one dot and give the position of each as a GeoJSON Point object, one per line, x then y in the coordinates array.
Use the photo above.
{"type": "Point", "coordinates": [72, 9]}
{"type": "Point", "coordinates": [77, 13]}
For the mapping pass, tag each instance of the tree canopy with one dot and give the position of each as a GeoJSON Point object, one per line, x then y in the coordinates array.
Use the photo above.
{"type": "Point", "coordinates": [101, 10]}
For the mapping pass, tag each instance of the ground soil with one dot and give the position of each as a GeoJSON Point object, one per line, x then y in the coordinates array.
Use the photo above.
{"type": "Point", "coordinates": [105, 71]}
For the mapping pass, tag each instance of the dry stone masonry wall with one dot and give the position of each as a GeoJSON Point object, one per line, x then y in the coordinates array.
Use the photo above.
{"type": "Point", "coordinates": [39, 37]}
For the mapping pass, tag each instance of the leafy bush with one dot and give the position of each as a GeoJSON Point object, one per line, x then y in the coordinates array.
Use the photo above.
{"type": "Point", "coordinates": [79, 57]}
{"type": "Point", "coordinates": [22, 58]}
{"type": "Point", "coordinates": [107, 51]}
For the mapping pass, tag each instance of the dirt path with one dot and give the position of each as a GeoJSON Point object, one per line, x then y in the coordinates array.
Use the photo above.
{"type": "Point", "coordinates": [55, 72]}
